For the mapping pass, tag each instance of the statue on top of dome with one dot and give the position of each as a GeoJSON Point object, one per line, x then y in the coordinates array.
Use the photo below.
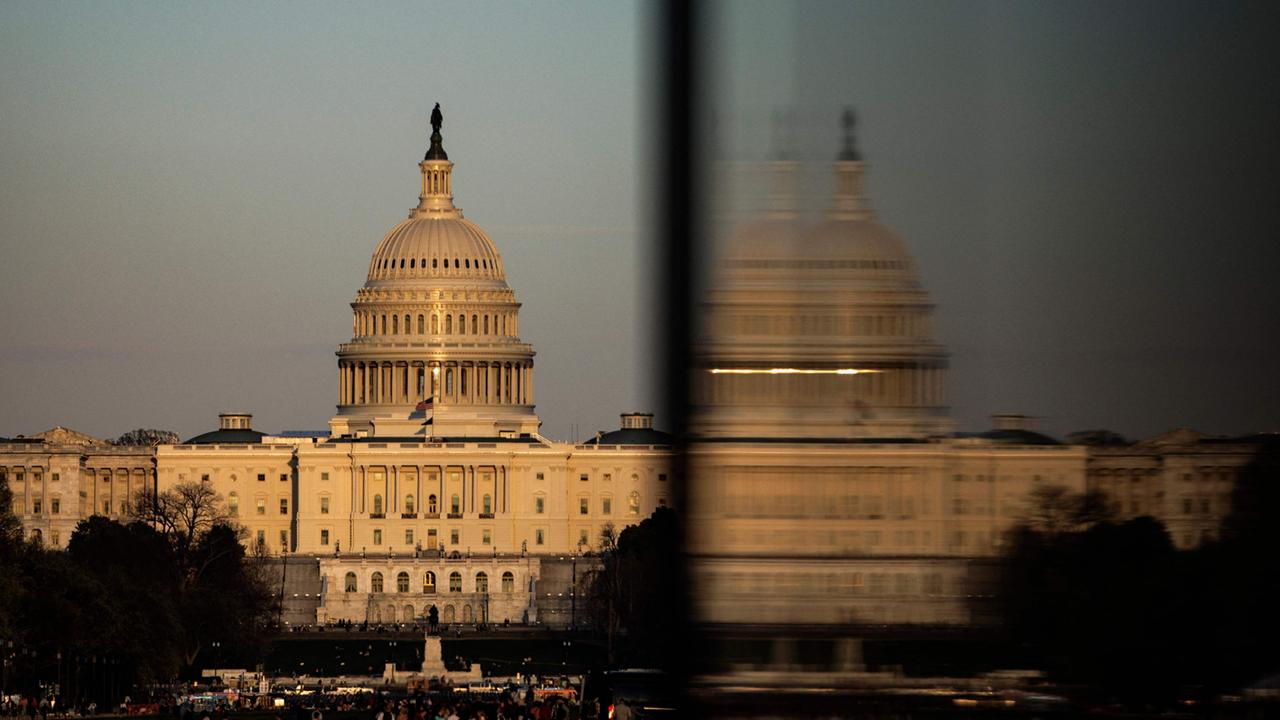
{"type": "Point", "coordinates": [436, 151]}
{"type": "Point", "coordinates": [849, 153]}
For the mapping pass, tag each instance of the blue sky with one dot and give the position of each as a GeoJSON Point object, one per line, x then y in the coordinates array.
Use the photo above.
{"type": "Point", "coordinates": [191, 193]}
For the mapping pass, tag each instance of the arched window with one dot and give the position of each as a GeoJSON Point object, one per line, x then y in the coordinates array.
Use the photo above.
{"type": "Point", "coordinates": [448, 613]}
{"type": "Point", "coordinates": [395, 324]}
{"type": "Point", "coordinates": [462, 324]}
{"type": "Point", "coordinates": [455, 506]}
{"type": "Point", "coordinates": [486, 324]}
{"type": "Point", "coordinates": [448, 379]}
{"type": "Point", "coordinates": [390, 614]}
{"type": "Point", "coordinates": [466, 614]}
{"type": "Point", "coordinates": [375, 583]}
{"type": "Point", "coordinates": [448, 324]}
{"type": "Point", "coordinates": [408, 613]}
{"type": "Point", "coordinates": [456, 265]}
{"type": "Point", "coordinates": [402, 582]}
{"type": "Point", "coordinates": [435, 324]}
{"type": "Point", "coordinates": [455, 582]}
{"type": "Point", "coordinates": [233, 504]}
{"type": "Point", "coordinates": [467, 263]}
{"type": "Point", "coordinates": [407, 326]}
{"type": "Point", "coordinates": [377, 504]}
{"type": "Point", "coordinates": [349, 583]}
{"type": "Point", "coordinates": [633, 503]}
{"type": "Point", "coordinates": [422, 324]}
{"type": "Point", "coordinates": [487, 504]}
{"type": "Point", "coordinates": [475, 324]}
{"type": "Point", "coordinates": [432, 507]}
{"type": "Point", "coordinates": [429, 583]}
{"type": "Point", "coordinates": [384, 325]}
{"type": "Point", "coordinates": [408, 503]}
{"type": "Point", "coordinates": [508, 582]}
{"type": "Point", "coordinates": [435, 263]}
{"type": "Point", "coordinates": [411, 262]}
{"type": "Point", "coordinates": [482, 582]}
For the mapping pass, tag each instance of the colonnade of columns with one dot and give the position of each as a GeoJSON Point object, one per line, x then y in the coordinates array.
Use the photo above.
{"type": "Point", "coordinates": [113, 490]}
{"type": "Point", "coordinates": [366, 323]}
{"type": "Point", "coordinates": [460, 382]}
{"type": "Point", "coordinates": [397, 482]}
{"type": "Point", "coordinates": [105, 491]}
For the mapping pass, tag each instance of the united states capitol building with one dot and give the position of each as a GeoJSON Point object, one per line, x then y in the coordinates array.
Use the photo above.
{"type": "Point", "coordinates": [826, 483]}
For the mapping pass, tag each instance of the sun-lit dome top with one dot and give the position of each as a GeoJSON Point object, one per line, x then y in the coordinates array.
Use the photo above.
{"type": "Point", "coordinates": [435, 347]}
{"type": "Point", "coordinates": [436, 241]}
{"type": "Point", "coordinates": [436, 247]}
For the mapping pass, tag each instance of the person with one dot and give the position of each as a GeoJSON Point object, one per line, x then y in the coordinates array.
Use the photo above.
{"type": "Point", "coordinates": [622, 710]}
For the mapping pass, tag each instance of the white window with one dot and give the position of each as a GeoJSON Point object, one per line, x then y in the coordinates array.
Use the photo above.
{"type": "Point", "coordinates": [539, 537]}
{"type": "Point", "coordinates": [584, 506]}
{"type": "Point", "coordinates": [324, 504]}
{"type": "Point", "coordinates": [408, 537]}
{"type": "Point", "coordinates": [377, 536]}
{"type": "Point", "coordinates": [606, 506]}
{"type": "Point", "coordinates": [324, 537]}
{"type": "Point", "coordinates": [539, 505]}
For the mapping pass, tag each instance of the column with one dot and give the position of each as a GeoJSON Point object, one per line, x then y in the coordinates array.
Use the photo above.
{"type": "Point", "coordinates": [529, 384]}
{"type": "Point", "coordinates": [393, 501]}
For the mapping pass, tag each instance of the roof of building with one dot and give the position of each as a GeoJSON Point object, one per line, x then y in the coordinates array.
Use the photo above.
{"type": "Point", "coordinates": [229, 437]}
{"type": "Point", "coordinates": [1012, 437]}
{"type": "Point", "coordinates": [65, 436]}
{"type": "Point", "coordinates": [632, 436]}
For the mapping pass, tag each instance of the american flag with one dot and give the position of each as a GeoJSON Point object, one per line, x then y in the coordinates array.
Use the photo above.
{"type": "Point", "coordinates": [423, 405]}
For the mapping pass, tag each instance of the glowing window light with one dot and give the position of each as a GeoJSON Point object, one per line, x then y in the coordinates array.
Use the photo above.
{"type": "Point", "coordinates": [791, 371]}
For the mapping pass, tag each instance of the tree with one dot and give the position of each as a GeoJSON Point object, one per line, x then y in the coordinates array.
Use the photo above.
{"type": "Point", "coordinates": [636, 593]}
{"type": "Point", "coordinates": [183, 513]}
{"type": "Point", "coordinates": [146, 437]}
{"type": "Point", "coordinates": [11, 569]}
{"type": "Point", "coordinates": [221, 594]}
{"type": "Point", "coordinates": [1056, 510]}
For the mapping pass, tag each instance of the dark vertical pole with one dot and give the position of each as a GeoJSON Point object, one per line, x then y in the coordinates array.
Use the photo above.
{"type": "Point", "coordinates": [677, 228]}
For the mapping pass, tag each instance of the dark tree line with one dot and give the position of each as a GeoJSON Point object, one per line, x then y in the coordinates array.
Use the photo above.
{"type": "Point", "coordinates": [634, 598]}
{"type": "Point", "coordinates": [1115, 607]}
{"type": "Point", "coordinates": [130, 604]}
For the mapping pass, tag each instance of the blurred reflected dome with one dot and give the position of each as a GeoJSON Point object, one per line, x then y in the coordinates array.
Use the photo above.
{"type": "Point", "coordinates": [819, 330]}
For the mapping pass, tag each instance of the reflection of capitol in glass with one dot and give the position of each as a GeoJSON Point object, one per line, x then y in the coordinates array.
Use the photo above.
{"type": "Point", "coordinates": [827, 491]}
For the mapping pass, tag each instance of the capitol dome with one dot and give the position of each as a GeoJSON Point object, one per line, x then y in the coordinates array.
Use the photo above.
{"type": "Point", "coordinates": [436, 248]}
{"type": "Point", "coordinates": [435, 349]}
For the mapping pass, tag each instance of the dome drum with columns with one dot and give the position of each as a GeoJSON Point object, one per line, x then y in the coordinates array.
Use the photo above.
{"type": "Point", "coordinates": [435, 348]}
